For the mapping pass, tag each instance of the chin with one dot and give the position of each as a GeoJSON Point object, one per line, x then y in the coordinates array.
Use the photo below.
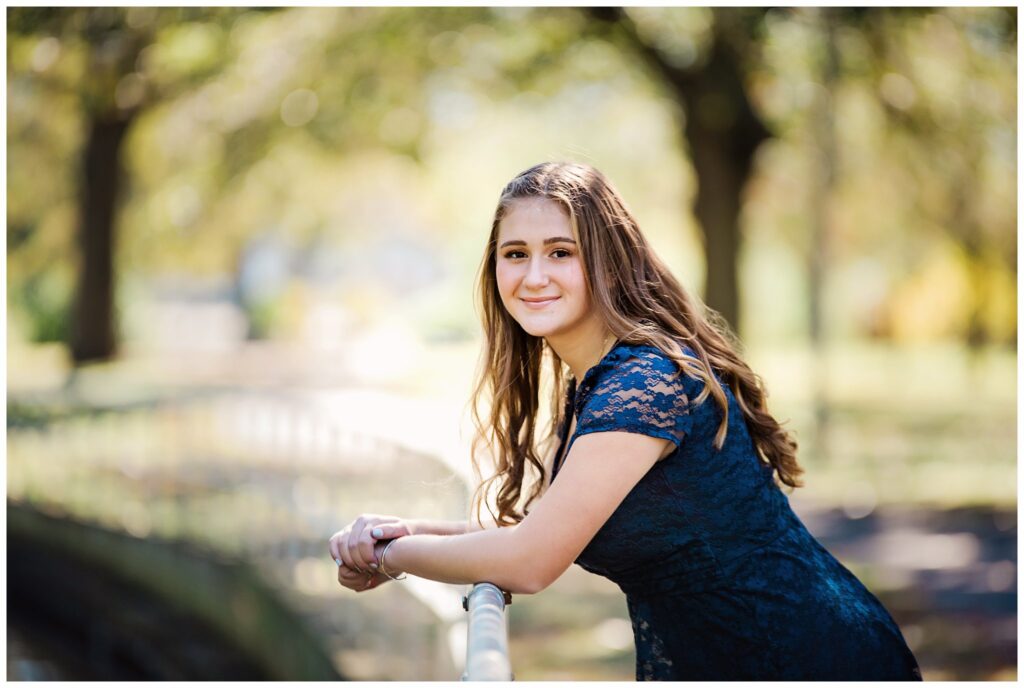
{"type": "Point", "coordinates": [533, 329]}
{"type": "Point", "coordinates": [541, 330]}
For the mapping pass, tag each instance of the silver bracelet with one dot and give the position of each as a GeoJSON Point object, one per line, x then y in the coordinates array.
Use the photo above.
{"type": "Point", "coordinates": [381, 568]}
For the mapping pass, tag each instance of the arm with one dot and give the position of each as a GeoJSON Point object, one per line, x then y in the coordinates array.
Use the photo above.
{"type": "Point", "coordinates": [429, 527]}
{"type": "Point", "coordinates": [422, 526]}
{"type": "Point", "coordinates": [599, 472]}
{"type": "Point", "coordinates": [352, 547]}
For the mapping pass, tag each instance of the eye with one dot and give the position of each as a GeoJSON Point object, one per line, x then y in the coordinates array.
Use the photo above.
{"type": "Point", "coordinates": [513, 255]}
{"type": "Point", "coordinates": [561, 253]}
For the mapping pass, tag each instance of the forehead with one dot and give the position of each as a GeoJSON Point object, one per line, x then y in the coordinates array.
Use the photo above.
{"type": "Point", "coordinates": [540, 218]}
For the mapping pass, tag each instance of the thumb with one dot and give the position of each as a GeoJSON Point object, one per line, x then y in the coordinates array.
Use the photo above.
{"type": "Point", "coordinates": [388, 532]}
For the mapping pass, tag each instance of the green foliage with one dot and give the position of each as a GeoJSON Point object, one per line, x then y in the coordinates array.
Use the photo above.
{"type": "Point", "coordinates": [263, 317]}
{"type": "Point", "coordinates": [248, 120]}
{"type": "Point", "coordinates": [46, 299]}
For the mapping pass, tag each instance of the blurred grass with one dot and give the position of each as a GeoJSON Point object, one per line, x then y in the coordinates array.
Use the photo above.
{"type": "Point", "coordinates": [932, 425]}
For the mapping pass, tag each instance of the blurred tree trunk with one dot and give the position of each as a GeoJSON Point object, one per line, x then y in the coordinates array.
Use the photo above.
{"type": "Point", "coordinates": [111, 97]}
{"type": "Point", "coordinates": [114, 49]}
{"type": "Point", "coordinates": [722, 132]}
{"type": "Point", "coordinates": [93, 330]}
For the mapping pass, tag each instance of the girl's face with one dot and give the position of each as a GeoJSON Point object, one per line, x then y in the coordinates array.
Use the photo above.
{"type": "Point", "coordinates": [540, 272]}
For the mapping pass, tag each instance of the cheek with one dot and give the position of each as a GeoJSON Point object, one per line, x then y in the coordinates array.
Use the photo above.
{"type": "Point", "coordinates": [506, 280]}
{"type": "Point", "coordinates": [575, 281]}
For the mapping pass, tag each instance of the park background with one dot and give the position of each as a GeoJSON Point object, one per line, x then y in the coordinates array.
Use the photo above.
{"type": "Point", "coordinates": [241, 254]}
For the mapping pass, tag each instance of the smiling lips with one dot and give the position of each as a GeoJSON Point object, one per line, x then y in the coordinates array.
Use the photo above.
{"type": "Point", "coordinates": [538, 303]}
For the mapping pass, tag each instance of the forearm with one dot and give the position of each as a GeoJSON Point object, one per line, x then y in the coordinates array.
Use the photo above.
{"type": "Point", "coordinates": [424, 526]}
{"type": "Point", "coordinates": [492, 555]}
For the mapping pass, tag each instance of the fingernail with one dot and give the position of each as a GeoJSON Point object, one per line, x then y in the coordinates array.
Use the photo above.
{"type": "Point", "coordinates": [338, 562]}
{"type": "Point", "coordinates": [372, 565]}
{"type": "Point", "coordinates": [377, 532]}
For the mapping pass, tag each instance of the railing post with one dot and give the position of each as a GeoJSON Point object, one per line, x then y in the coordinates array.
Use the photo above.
{"type": "Point", "coordinates": [487, 646]}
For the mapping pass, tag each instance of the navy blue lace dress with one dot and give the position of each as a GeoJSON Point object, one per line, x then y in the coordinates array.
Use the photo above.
{"type": "Point", "coordinates": [722, 579]}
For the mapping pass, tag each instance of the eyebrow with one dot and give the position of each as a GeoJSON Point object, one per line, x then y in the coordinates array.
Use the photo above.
{"type": "Point", "coordinates": [549, 240]}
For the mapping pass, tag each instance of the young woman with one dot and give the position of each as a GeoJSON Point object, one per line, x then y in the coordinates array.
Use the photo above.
{"type": "Point", "coordinates": [665, 467]}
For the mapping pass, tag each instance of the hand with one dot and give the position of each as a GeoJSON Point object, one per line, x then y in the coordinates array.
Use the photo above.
{"type": "Point", "coordinates": [359, 582]}
{"type": "Point", "coordinates": [352, 548]}
{"type": "Point", "coordinates": [353, 580]}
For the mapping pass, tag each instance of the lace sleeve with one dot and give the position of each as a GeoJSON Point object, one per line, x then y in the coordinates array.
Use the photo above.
{"type": "Point", "coordinates": [643, 394]}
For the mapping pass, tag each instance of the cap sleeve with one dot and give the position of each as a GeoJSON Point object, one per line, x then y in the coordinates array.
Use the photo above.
{"type": "Point", "coordinates": [642, 393]}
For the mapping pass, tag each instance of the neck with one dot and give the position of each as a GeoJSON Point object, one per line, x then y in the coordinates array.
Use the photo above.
{"type": "Point", "coordinates": [583, 351]}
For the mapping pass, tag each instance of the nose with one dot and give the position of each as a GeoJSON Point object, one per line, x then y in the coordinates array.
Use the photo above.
{"type": "Point", "coordinates": [536, 276]}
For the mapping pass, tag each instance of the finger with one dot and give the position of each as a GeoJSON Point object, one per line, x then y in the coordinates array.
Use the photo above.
{"type": "Point", "coordinates": [354, 586]}
{"type": "Point", "coordinates": [350, 579]}
{"type": "Point", "coordinates": [359, 583]}
{"type": "Point", "coordinates": [336, 553]}
{"type": "Point", "coordinates": [346, 572]}
{"type": "Point", "coordinates": [389, 531]}
{"type": "Point", "coordinates": [332, 547]}
{"type": "Point", "coordinates": [345, 555]}
{"type": "Point", "coordinates": [366, 544]}
{"type": "Point", "coordinates": [353, 583]}
{"type": "Point", "coordinates": [337, 544]}
{"type": "Point", "coordinates": [354, 550]}
{"type": "Point", "coordinates": [371, 583]}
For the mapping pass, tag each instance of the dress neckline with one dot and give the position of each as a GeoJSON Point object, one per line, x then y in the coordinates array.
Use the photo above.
{"type": "Point", "coordinates": [591, 370]}
{"type": "Point", "coordinates": [570, 409]}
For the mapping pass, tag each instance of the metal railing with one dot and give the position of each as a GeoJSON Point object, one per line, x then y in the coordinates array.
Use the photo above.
{"type": "Point", "coordinates": [487, 643]}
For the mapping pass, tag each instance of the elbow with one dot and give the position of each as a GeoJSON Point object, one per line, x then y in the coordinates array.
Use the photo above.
{"type": "Point", "coordinates": [533, 570]}
{"type": "Point", "coordinates": [533, 581]}
{"type": "Point", "coordinates": [521, 582]}
{"type": "Point", "coordinates": [518, 585]}
{"type": "Point", "coordinates": [528, 586]}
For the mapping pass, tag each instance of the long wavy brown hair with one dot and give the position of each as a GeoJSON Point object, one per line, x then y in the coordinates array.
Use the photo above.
{"type": "Point", "coordinates": [640, 302]}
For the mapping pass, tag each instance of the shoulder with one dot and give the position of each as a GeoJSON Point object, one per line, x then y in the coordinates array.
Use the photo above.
{"type": "Point", "coordinates": [636, 366]}
{"type": "Point", "coordinates": [636, 388]}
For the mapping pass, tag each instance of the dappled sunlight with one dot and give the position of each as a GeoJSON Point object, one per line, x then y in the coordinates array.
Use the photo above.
{"type": "Point", "coordinates": [917, 549]}
{"type": "Point", "coordinates": [1001, 576]}
{"type": "Point", "coordinates": [614, 634]}
{"type": "Point", "coordinates": [859, 500]}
